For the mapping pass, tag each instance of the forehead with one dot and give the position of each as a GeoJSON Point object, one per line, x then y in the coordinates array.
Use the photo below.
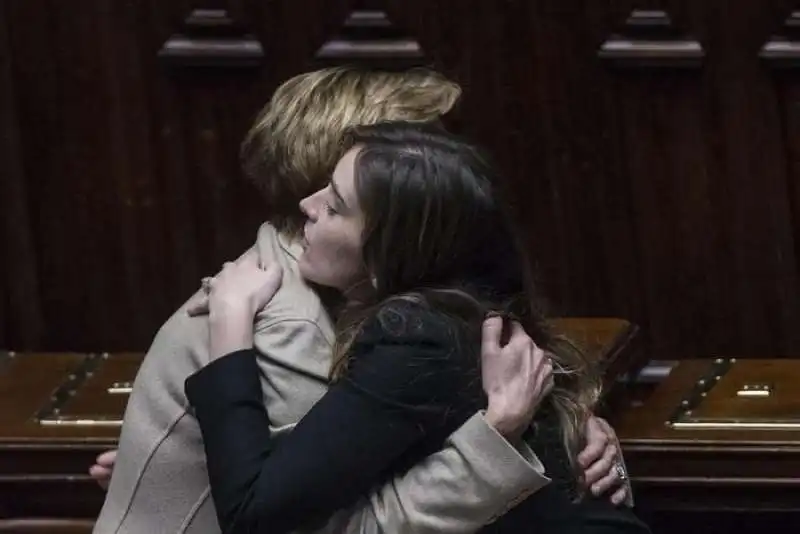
{"type": "Point", "coordinates": [344, 174]}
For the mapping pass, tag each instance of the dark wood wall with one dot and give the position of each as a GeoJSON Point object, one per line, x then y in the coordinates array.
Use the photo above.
{"type": "Point", "coordinates": [656, 183]}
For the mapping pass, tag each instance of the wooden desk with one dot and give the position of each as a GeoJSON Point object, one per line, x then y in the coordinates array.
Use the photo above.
{"type": "Point", "coordinates": [718, 435]}
{"type": "Point", "coordinates": [61, 410]}
{"type": "Point", "coordinates": [58, 412]}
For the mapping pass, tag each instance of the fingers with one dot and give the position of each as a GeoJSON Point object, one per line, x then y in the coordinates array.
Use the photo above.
{"type": "Point", "coordinates": [107, 459]}
{"type": "Point", "coordinates": [520, 340]}
{"type": "Point", "coordinates": [490, 336]}
{"type": "Point", "coordinates": [602, 476]}
{"type": "Point", "coordinates": [522, 347]}
{"type": "Point", "coordinates": [101, 475]}
{"type": "Point", "coordinates": [205, 284]}
{"type": "Point", "coordinates": [518, 333]}
{"type": "Point", "coordinates": [273, 276]}
{"type": "Point", "coordinates": [596, 443]}
{"type": "Point", "coordinates": [606, 483]}
{"type": "Point", "coordinates": [542, 367]}
{"type": "Point", "coordinates": [199, 306]}
{"type": "Point", "coordinates": [607, 428]}
{"type": "Point", "coordinates": [620, 496]}
{"type": "Point", "coordinates": [534, 360]}
{"type": "Point", "coordinates": [549, 384]}
{"type": "Point", "coordinates": [249, 256]}
{"type": "Point", "coordinates": [602, 467]}
{"type": "Point", "coordinates": [102, 470]}
{"type": "Point", "coordinates": [228, 269]}
{"type": "Point", "coordinates": [98, 472]}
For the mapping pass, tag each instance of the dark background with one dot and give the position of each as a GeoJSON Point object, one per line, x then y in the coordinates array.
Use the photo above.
{"type": "Point", "coordinates": [666, 196]}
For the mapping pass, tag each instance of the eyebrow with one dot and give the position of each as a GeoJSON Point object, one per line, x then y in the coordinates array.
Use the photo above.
{"type": "Point", "coordinates": [337, 194]}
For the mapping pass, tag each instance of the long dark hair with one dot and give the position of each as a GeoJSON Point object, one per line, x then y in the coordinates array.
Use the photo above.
{"type": "Point", "coordinates": [437, 232]}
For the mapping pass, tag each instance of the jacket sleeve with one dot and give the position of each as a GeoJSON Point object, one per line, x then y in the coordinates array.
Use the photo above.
{"type": "Point", "coordinates": [475, 478]}
{"type": "Point", "coordinates": [391, 399]}
{"type": "Point", "coordinates": [561, 507]}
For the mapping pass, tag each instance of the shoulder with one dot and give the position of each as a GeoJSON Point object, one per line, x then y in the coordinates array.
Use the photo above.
{"type": "Point", "coordinates": [416, 359]}
{"type": "Point", "coordinates": [295, 304]}
{"type": "Point", "coordinates": [408, 346]}
{"type": "Point", "coordinates": [408, 321]}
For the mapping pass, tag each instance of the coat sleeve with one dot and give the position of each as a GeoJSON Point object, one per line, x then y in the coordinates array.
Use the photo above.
{"type": "Point", "coordinates": [457, 490]}
{"type": "Point", "coordinates": [396, 393]}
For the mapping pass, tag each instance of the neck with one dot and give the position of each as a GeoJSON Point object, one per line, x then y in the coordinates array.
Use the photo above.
{"type": "Point", "coordinates": [359, 292]}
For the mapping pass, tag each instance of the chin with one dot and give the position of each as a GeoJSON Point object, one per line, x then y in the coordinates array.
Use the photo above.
{"type": "Point", "coordinates": [304, 269]}
{"type": "Point", "coordinates": [308, 273]}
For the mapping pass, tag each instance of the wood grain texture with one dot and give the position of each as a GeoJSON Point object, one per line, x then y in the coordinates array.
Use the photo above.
{"type": "Point", "coordinates": [667, 197]}
{"type": "Point", "coordinates": [678, 468]}
{"type": "Point", "coordinates": [20, 301]}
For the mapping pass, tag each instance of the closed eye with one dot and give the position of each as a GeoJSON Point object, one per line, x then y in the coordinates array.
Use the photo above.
{"type": "Point", "coordinates": [337, 196]}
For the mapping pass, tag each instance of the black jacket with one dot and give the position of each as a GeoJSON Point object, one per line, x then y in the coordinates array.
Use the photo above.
{"type": "Point", "coordinates": [413, 379]}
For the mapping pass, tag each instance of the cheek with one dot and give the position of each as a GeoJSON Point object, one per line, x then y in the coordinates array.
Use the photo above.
{"type": "Point", "coordinates": [346, 254]}
{"type": "Point", "coordinates": [333, 257]}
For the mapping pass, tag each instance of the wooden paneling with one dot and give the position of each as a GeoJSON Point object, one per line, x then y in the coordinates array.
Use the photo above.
{"type": "Point", "coordinates": [659, 193]}
{"type": "Point", "coordinates": [20, 302]}
{"type": "Point", "coordinates": [130, 165]}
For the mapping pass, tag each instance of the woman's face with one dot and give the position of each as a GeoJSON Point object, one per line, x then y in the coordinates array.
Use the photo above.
{"type": "Point", "coordinates": [332, 234]}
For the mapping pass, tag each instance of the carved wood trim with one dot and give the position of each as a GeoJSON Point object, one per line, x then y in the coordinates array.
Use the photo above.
{"type": "Point", "coordinates": [649, 40]}
{"type": "Point", "coordinates": [210, 38]}
{"type": "Point", "coordinates": [369, 35]}
{"type": "Point", "coordinates": [783, 51]}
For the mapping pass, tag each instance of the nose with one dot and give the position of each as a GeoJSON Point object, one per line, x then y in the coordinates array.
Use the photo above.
{"type": "Point", "coordinates": [309, 208]}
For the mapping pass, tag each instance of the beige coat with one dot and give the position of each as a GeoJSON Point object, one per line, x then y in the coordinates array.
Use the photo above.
{"type": "Point", "coordinates": [160, 483]}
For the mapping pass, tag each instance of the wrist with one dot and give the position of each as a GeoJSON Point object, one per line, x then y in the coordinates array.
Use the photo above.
{"type": "Point", "coordinates": [230, 330]}
{"type": "Point", "coordinates": [221, 310]}
{"type": "Point", "coordinates": [507, 425]}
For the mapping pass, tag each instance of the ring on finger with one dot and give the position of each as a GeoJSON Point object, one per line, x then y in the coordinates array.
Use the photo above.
{"type": "Point", "coordinates": [621, 473]}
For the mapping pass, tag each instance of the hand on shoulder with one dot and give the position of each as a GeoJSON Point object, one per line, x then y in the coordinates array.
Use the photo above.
{"type": "Point", "coordinates": [235, 295]}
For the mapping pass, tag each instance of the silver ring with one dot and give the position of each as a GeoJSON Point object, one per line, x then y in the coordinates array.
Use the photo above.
{"type": "Point", "coordinates": [621, 474]}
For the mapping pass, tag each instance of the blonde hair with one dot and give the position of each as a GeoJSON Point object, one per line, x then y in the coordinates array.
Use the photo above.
{"type": "Point", "coordinates": [296, 140]}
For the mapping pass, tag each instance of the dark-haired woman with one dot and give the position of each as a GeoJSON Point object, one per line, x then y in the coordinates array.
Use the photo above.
{"type": "Point", "coordinates": [412, 232]}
